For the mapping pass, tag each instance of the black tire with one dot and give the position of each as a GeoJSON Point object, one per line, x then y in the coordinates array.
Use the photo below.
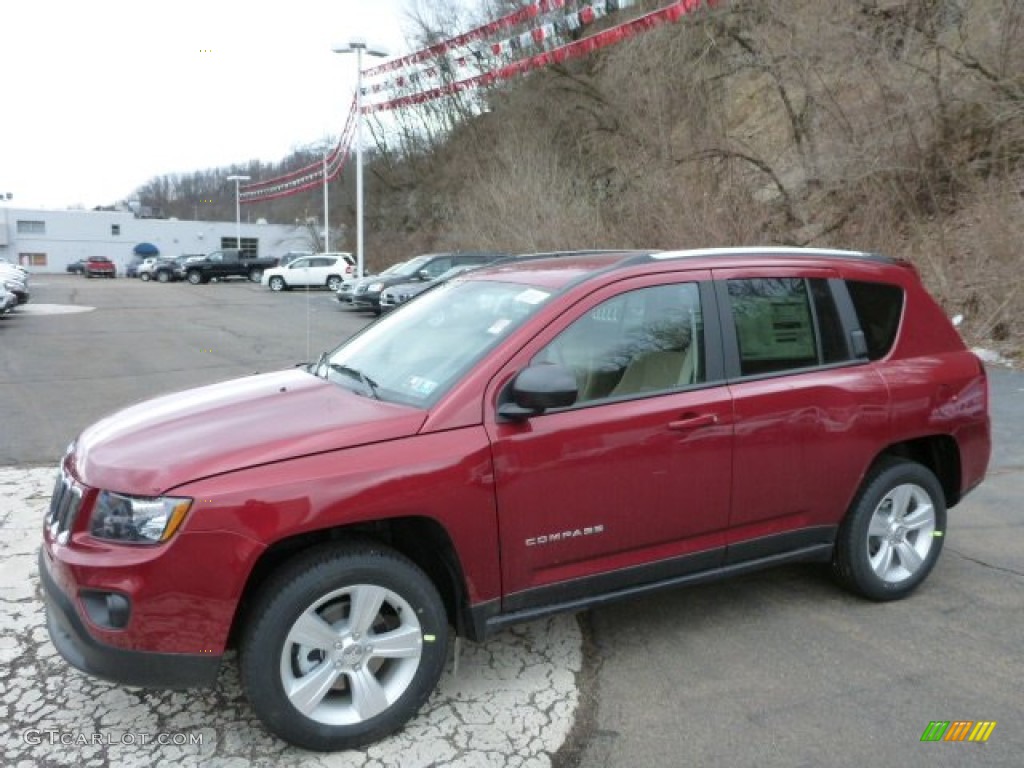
{"type": "Point", "coordinates": [334, 282]}
{"type": "Point", "coordinates": [277, 283]}
{"type": "Point", "coordinates": [893, 533]}
{"type": "Point", "coordinates": [322, 584]}
{"type": "Point", "coordinates": [163, 276]}
{"type": "Point", "coordinates": [145, 277]}
{"type": "Point", "coordinates": [255, 275]}
{"type": "Point", "coordinates": [195, 277]}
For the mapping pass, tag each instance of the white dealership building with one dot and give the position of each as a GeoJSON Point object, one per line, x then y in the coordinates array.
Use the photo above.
{"type": "Point", "coordinates": [50, 240]}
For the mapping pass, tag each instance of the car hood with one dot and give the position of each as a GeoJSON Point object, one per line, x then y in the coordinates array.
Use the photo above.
{"type": "Point", "coordinates": [158, 444]}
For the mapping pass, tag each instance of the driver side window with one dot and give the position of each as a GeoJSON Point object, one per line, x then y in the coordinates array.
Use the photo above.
{"type": "Point", "coordinates": [642, 342]}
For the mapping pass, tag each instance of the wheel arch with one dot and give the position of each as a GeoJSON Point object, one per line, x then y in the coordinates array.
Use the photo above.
{"type": "Point", "coordinates": [939, 453]}
{"type": "Point", "coordinates": [423, 540]}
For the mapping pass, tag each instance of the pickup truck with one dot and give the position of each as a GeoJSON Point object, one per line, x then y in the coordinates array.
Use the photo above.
{"type": "Point", "coordinates": [229, 262]}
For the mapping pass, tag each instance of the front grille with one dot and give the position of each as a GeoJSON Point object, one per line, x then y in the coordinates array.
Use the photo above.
{"type": "Point", "coordinates": [67, 498]}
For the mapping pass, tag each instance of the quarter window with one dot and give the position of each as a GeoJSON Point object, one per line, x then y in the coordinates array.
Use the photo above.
{"type": "Point", "coordinates": [645, 341]}
{"type": "Point", "coordinates": [879, 307]}
{"type": "Point", "coordinates": [785, 324]}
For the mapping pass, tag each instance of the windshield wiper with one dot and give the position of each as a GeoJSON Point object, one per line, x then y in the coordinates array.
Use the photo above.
{"type": "Point", "coordinates": [314, 368]}
{"type": "Point", "coordinates": [369, 384]}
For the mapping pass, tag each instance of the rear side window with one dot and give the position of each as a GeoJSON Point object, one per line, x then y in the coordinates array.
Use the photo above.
{"type": "Point", "coordinates": [785, 324]}
{"type": "Point", "coordinates": [879, 307]}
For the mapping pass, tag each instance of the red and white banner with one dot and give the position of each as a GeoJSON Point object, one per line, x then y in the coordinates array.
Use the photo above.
{"type": "Point", "coordinates": [473, 60]}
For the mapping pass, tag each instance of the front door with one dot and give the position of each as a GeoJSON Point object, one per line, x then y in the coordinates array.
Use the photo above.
{"type": "Point", "coordinates": [630, 485]}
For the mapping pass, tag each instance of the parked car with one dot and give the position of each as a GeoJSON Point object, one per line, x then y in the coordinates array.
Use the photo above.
{"type": "Point", "coordinates": [76, 267]}
{"type": "Point", "coordinates": [538, 436]}
{"type": "Point", "coordinates": [15, 279]}
{"type": "Point", "coordinates": [8, 301]}
{"type": "Point", "coordinates": [344, 292]}
{"type": "Point", "coordinates": [144, 271]}
{"type": "Point", "coordinates": [401, 293]}
{"type": "Point", "coordinates": [365, 293]}
{"type": "Point", "coordinates": [99, 266]}
{"type": "Point", "coordinates": [131, 269]}
{"type": "Point", "coordinates": [161, 269]}
{"type": "Point", "coordinates": [324, 270]}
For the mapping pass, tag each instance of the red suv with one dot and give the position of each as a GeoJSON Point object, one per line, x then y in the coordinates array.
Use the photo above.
{"type": "Point", "coordinates": [543, 435]}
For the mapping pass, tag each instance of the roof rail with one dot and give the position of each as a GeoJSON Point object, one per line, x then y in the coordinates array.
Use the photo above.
{"type": "Point", "coordinates": [772, 250]}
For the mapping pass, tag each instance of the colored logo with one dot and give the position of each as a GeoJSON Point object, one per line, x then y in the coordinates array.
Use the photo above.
{"type": "Point", "coordinates": [958, 730]}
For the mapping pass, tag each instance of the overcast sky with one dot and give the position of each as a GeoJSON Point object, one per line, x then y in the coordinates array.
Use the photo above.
{"type": "Point", "coordinates": [99, 97]}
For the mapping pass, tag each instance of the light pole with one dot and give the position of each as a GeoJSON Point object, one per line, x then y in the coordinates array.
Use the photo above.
{"type": "Point", "coordinates": [327, 225]}
{"type": "Point", "coordinates": [238, 212]}
{"type": "Point", "coordinates": [359, 45]}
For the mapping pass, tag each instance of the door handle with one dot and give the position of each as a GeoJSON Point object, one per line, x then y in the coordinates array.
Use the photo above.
{"type": "Point", "coordinates": [693, 421]}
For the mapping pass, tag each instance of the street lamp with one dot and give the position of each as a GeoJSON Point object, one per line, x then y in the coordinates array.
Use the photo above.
{"type": "Point", "coordinates": [359, 46]}
{"type": "Point", "coordinates": [327, 225]}
{"type": "Point", "coordinates": [238, 212]}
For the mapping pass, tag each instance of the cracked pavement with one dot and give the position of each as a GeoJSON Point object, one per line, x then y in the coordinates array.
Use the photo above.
{"type": "Point", "coordinates": [512, 703]}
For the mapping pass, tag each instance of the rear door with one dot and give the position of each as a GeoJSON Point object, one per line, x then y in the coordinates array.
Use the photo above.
{"type": "Point", "coordinates": [809, 414]}
{"type": "Point", "coordinates": [319, 268]}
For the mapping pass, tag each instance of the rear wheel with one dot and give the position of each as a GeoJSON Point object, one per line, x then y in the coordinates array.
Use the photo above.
{"type": "Point", "coordinates": [277, 283]}
{"type": "Point", "coordinates": [893, 533]}
{"type": "Point", "coordinates": [255, 274]}
{"type": "Point", "coordinates": [334, 282]}
{"type": "Point", "coordinates": [145, 277]}
{"type": "Point", "coordinates": [344, 645]}
{"type": "Point", "coordinates": [163, 276]}
{"type": "Point", "coordinates": [195, 277]}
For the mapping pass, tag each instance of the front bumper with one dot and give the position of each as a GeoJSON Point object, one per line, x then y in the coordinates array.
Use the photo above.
{"type": "Point", "coordinates": [127, 667]}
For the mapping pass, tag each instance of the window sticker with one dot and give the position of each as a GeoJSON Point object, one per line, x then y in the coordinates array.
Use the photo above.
{"type": "Point", "coordinates": [420, 385]}
{"type": "Point", "coordinates": [532, 296]}
{"type": "Point", "coordinates": [499, 325]}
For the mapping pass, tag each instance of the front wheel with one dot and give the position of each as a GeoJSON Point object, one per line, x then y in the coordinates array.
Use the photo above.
{"type": "Point", "coordinates": [277, 283]}
{"type": "Point", "coordinates": [163, 276]}
{"type": "Point", "coordinates": [255, 275]}
{"type": "Point", "coordinates": [893, 533]}
{"type": "Point", "coordinates": [145, 277]}
{"type": "Point", "coordinates": [195, 277]}
{"type": "Point", "coordinates": [343, 646]}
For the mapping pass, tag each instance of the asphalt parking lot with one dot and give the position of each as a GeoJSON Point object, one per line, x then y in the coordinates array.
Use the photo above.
{"type": "Point", "coordinates": [777, 669]}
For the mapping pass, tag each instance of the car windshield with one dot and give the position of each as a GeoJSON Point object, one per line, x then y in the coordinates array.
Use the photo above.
{"type": "Point", "coordinates": [416, 353]}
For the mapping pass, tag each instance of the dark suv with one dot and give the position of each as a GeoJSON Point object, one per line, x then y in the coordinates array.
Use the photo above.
{"type": "Point", "coordinates": [535, 436]}
{"type": "Point", "coordinates": [365, 293]}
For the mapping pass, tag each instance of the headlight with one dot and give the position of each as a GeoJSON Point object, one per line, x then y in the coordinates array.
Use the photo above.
{"type": "Point", "coordinates": [137, 520]}
{"type": "Point", "coordinates": [375, 287]}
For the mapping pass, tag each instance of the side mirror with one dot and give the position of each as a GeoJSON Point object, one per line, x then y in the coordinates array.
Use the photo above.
{"type": "Point", "coordinates": [423, 275]}
{"type": "Point", "coordinates": [538, 388]}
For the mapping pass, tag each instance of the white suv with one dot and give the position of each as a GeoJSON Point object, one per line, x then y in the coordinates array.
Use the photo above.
{"type": "Point", "coordinates": [326, 270]}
